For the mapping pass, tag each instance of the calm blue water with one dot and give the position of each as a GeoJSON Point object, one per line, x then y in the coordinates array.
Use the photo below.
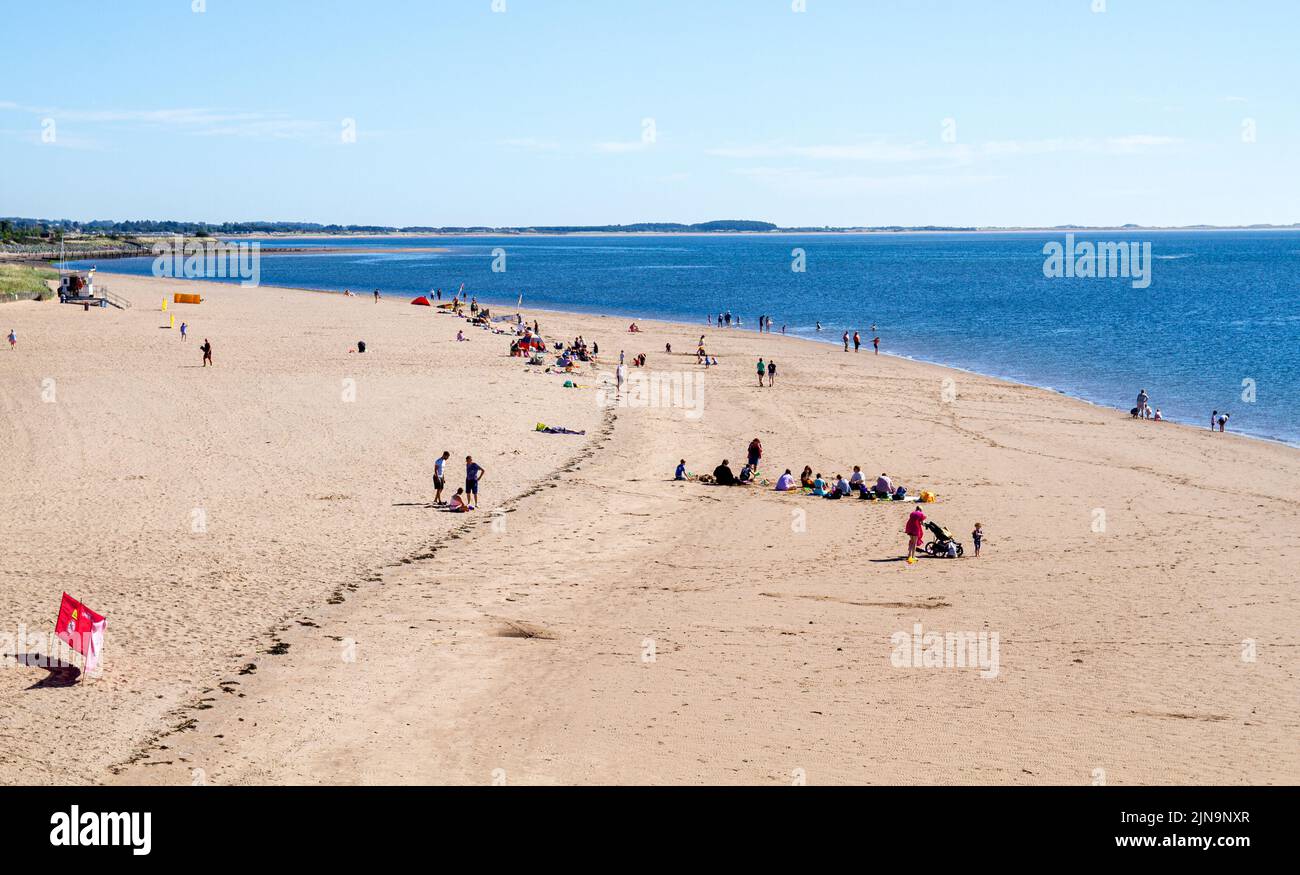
{"type": "Point", "coordinates": [1222, 307]}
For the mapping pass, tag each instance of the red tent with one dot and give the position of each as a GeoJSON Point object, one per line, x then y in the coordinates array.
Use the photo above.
{"type": "Point", "coordinates": [422, 301]}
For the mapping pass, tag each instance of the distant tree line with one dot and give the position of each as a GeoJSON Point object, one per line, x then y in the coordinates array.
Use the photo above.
{"type": "Point", "coordinates": [27, 228]}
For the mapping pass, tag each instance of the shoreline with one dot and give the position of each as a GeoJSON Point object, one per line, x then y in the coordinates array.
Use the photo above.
{"type": "Point", "coordinates": [494, 304]}
{"type": "Point", "coordinates": [514, 638]}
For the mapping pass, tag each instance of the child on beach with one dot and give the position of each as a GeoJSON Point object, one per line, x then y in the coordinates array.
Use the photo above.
{"type": "Point", "coordinates": [13, 339]}
{"type": "Point", "coordinates": [184, 328]}
{"type": "Point", "coordinates": [680, 473]}
{"type": "Point", "coordinates": [978, 537]}
{"type": "Point", "coordinates": [458, 503]}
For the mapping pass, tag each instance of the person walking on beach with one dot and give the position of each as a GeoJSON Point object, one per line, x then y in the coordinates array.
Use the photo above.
{"type": "Point", "coordinates": [376, 296]}
{"type": "Point", "coordinates": [857, 341]}
{"type": "Point", "coordinates": [473, 474]}
{"type": "Point", "coordinates": [440, 477]}
{"type": "Point", "coordinates": [206, 349]}
{"type": "Point", "coordinates": [771, 372]}
{"type": "Point", "coordinates": [875, 341]}
{"type": "Point", "coordinates": [915, 531]}
{"type": "Point", "coordinates": [184, 328]}
{"type": "Point", "coordinates": [762, 369]}
{"type": "Point", "coordinates": [13, 339]}
{"type": "Point", "coordinates": [846, 341]}
{"type": "Point", "coordinates": [755, 454]}
{"type": "Point", "coordinates": [620, 377]}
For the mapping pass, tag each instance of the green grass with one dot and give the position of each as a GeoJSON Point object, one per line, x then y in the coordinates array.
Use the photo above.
{"type": "Point", "coordinates": [23, 278]}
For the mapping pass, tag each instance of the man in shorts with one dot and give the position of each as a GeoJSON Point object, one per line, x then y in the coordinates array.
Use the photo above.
{"type": "Point", "coordinates": [473, 473]}
{"type": "Point", "coordinates": [440, 477]}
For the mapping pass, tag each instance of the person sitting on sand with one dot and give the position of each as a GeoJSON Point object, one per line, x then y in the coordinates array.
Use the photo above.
{"type": "Point", "coordinates": [1158, 415]}
{"type": "Point", "coordinates": [819, 486]}
{"type": "Point", "coordinates": [884, 486]}
{"type": "Point", "coordinates": [856, 480]}
{"type": "Point", "coordinates": [806, 478]}
{"type": "Point", "coordinates": [633, 328]}
{"type": "Point", "coordinates": [460, 335]}
{"type": "Point", "coordinates": [785, 482]}
{"type": "Point", "coordinates": [842, 486]}
{"type": "Point", "coordinates": [458, 504]}
{"type": "Point", "coordinates": [723, 476]}
{"type": "Point", "coordinates": [746, 475]}
{"type": "Point", "coordinates": [680, 473]}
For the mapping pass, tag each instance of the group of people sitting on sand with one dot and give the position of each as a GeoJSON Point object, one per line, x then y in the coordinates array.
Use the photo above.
{"type": "Point", "coordinates": [838, 486]}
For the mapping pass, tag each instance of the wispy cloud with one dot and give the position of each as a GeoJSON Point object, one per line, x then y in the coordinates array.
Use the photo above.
{"type": "Point", "coordinates": [530, 144]}
{"type": "Point", "coordinates": [622, 148]}
{"type": "Point", "coordinates": [883, 152]}
{"type": "Point", "coordinates": [196, 121]}
{"type": "Point", "coordinates": [821, 184]}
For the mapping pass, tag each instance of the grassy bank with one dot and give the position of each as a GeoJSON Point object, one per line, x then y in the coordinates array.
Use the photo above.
{"type": "Point", "coordinates": [24, 279]}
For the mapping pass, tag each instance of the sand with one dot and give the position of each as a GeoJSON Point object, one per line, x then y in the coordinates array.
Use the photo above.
{"type": "Point", "coordinates": [284, 606]}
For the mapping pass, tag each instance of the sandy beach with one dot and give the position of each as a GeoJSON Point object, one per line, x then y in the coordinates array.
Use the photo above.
{"type": "Point", "coordinates": [285, 606]}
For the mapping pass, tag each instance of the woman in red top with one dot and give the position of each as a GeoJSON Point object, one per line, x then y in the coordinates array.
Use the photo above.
{"type": "Point", "coordinates": [914, 531]}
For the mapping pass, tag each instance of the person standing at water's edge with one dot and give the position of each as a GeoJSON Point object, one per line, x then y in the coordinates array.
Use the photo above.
{"type": "Point", "coordinates": [875, 341]}
{"type": "Point", "coordinates": [846, 341]}
{"type": "Point", "coordinates": [857, 341]}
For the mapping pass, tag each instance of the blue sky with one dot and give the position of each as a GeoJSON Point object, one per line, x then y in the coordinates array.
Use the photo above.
{"type": "Point", "coordinates": [853, 112]}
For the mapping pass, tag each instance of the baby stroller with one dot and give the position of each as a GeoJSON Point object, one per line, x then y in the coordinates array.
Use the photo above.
{"type": "Point", "coordinates": [944, 544]}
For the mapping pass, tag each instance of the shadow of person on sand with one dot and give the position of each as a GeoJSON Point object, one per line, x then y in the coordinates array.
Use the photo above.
{"type": "Point", "coordinates": [61, 674]}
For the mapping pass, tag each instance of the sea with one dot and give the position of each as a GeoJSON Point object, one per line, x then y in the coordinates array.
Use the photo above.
{"type": "Point", "coordinates": [1212, 322]}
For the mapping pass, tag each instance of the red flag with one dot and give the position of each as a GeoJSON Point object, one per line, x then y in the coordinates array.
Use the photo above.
{"type": "Point", "coordinates": [81, 629]}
